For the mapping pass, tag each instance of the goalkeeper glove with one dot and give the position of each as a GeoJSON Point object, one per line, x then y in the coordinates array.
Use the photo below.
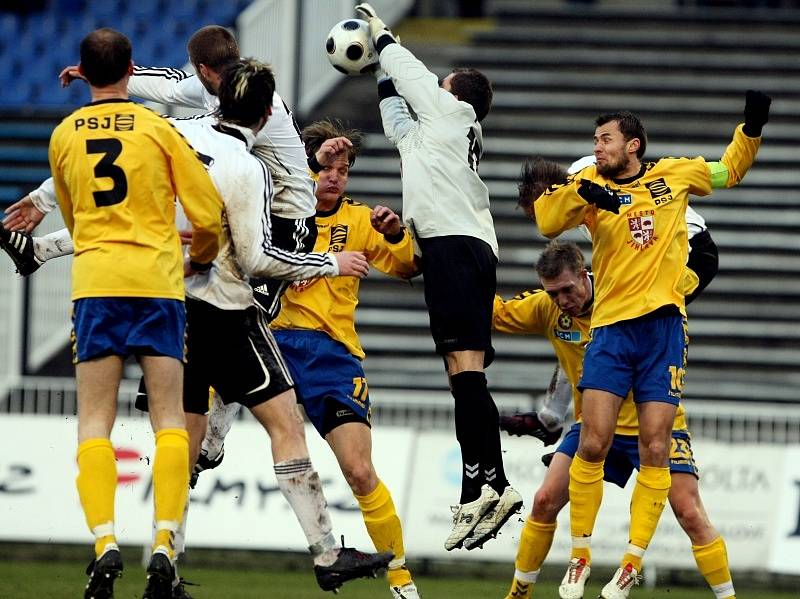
{"type": "Point", "coordinates": [756, 112]}
{"type": "Point", "coordinates": [603, 198]}
{"type": "Point", "coordinates": [376, 26]}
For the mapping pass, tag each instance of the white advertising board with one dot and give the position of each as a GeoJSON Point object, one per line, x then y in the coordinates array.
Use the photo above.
{"type": "Point", "coordinates": [752, 494]}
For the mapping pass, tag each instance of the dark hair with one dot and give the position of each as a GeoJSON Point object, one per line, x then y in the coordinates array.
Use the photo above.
{"type": "Point", "coordinates": [536, 175]}
{"type": "Point", "coordinates": [213, 46]}
{"type": "Point", "coordinates": [245, 92]}
{"type": "Point", "coordinates": [474, 88]}
{"type": "Point", "coordinates": [557, 257]}
{"type": "Point", "coordinates": [105, 57]}
{"type": "Point", "coordinates": [630, 126]}
{"type": "Point", "coordinates": [317, 133]}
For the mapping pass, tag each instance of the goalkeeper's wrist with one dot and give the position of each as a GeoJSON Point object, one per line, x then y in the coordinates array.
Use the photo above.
{"type": "Point", "coordinates": [752, 130]}
{"type": "Point", "coordinates": [199, 266]}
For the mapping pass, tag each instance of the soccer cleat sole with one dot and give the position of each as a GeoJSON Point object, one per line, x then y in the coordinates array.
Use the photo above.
{"type": "Point", "coordinates": [480, 542]}
{"type": "Point", "coordinates": [460, 544]}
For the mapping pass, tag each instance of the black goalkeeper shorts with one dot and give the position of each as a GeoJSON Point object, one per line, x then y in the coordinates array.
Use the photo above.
{"type": "Point", "coordinates": [460, 284]}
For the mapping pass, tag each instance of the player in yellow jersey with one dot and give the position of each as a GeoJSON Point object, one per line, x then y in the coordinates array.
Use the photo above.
{"type": "Point", "coordinates": [315, 331]}
{"type": "Point", "coordinates": [562, 313]}
{"type": "Point", "coordinates": [635, 212]}
{"type": "Point", "coordinates": [117, 167]}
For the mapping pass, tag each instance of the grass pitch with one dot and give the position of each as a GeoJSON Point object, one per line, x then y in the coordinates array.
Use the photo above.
{"type": "Point", "coordinates": [57, 580]}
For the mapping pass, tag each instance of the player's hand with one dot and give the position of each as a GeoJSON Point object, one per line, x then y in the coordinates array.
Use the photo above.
{"type": "Point", "coordinates": [70, 74]}
{"type": "Point", "coordinates": [185, 237]}
{"type": "Point", "coordinates": [352, 264]}
{"type": "Point", "coordinates": [23, 216]}
{"type": "Point", "coordinates": [376, 26]}
{"type": "Point", "coordinates": [331, 148]}
{"type": "Point", "coordinates": [603, 198]}
{"type": "Point", "coordinates": [385, 220]}
{"type": "Point", "coordinates": [756, 112]}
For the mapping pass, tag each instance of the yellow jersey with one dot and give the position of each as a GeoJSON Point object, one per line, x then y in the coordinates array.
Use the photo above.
{"type": "Point", "coordinates": [329, 304]}
{"type": "Point", "coordinates": [638, 255]}
{"type": "Point", "coordinates": [535, 313]}
{"type": "Point", "coordinates": [117, 167]}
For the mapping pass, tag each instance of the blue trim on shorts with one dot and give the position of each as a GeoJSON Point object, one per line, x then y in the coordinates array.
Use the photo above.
{"type": "Point", "coordinates": [646, 355]}
{"type": "Point", "coordinates": [323, 371]}
{"type": "Point", "coordinates": [125, 326]}
{"type": "Point", "coordinates": [623, 457]}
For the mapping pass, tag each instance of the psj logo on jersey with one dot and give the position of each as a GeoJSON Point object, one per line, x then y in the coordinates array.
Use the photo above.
{"type": "Point", "coordinates": [642, 226]}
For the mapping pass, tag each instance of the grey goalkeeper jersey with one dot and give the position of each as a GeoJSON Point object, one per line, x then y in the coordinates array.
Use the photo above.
{"type": "Point", "coordinates": [278, 144]}
{"type": "Point", "coordinates": [440, 151]}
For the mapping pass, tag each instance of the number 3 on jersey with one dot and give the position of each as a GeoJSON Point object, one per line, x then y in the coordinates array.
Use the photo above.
{"type": "Point", "coordinates": [110, 148]}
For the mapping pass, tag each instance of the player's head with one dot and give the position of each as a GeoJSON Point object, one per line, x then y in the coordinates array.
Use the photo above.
{"type": "Point", "coordinates": [564, 277]}
{"type": "Point", "coordinates": [473, 87]}
{"type": "Point", "coordinates": [245, 93]}
{"type": "Point", "coordinates": [334, 176]}
{"type": "Point", "coordinates": [536, 175]}
{"type": "Point", "coordinates": [105, 57]}
{"type": "Point", "coordinates": [619, 139]}
{"type": "Point", "coordinates": [211, 49]}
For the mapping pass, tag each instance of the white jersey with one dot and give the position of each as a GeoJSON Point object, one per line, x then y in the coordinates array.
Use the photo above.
{"type": "Point", "coordinates": [440, 152]}
{"type": "Point", "coordinates": [695, 223]}
{"type": "Point", "coordinates": [246, 248]}
{"type": "Point", "coordinates": [278, 144]}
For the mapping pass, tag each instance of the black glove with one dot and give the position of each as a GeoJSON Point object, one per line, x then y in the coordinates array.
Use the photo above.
{"type": "Point", "coordinates": [603, 198]}
{"type": "Point", "coordinates": [756, 112]}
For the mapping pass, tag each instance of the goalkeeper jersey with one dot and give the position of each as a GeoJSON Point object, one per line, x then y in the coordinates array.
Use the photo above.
{"type": "Point", "coordinates": [117, 167]}
{"type": "Point", "coordinates": [440, 151]}
{"type": "Point", "coordinates": [278, 144]}
{"type": "Point", "coordinates": [534, 312]}
{"type": "Point", "coordinates": [638, 255]}
{"type": "Point", "coordinates": [329, 304]}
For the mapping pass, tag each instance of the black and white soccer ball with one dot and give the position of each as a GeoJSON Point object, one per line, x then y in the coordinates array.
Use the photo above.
{"type": "Point", "coordinates": [350, 48]}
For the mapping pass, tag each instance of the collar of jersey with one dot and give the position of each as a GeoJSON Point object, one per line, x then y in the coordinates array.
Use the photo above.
{"type": "Point", "coordinates": [108, 101]}
{"type": "Point", "coordinates": [243, 134]}
{"type": "Point", "coordinates": [627, 180]}
{"type": "Point", "coordinates": [332, 211]}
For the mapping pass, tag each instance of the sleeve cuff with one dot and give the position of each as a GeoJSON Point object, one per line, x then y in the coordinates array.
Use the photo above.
{"type": "Point", "coordinates": [384, 40]}
{"type": "Point", "coordinates": [199, 267]}
{"type": "Point", "coordinates": [314, 165]}
{"type": "Point", "coordinates": [386, 89]}
{"type": "Point", "coordinates": [396, 238]}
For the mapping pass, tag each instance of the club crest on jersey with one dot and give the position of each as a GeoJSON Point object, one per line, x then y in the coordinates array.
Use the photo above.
{"type": "Point", "coordinates": [643, 229]}
{"type": "Point", "coordinates": [564, 321]}
{"type": "Point", "coordinates": [338, 238]}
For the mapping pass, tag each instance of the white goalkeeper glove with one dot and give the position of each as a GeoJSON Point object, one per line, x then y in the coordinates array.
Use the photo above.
{"type": "Point", "coordinates": [376, 26]}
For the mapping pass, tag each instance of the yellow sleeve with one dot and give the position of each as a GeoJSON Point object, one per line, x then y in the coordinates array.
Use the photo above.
{"type": "Point", "coordinates": [62, 193]}
{"type": "Point", "coordinates": [199, 197]}
{"type": "Point", "coordinates": [395, 259]}
{"type": "Point", "coordinates": [739, 156]}
{"type": "Point", "coordinates": [521, 314]}
{"type": "Point", "coordinates": [560, 208]}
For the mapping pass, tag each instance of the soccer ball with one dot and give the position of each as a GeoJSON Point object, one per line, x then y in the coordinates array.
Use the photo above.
{"type": "Point", "coordinates": [350, 47]}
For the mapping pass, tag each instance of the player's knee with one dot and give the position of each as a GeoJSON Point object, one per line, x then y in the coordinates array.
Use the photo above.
{"type": "Point", "coordinates": [654, 452]}
{"type": "Point", "coordinates": [361, 477]}
{"type": "Point", "coordinates": [546, 504]}
{"type": "Point", "coordinates": [593, 448]}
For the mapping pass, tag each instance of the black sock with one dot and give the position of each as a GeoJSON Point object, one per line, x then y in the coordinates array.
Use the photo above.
{"type": "Point", "coordinates": [492, 458]}
{"type": "Point", "coordinates": [471, 411]}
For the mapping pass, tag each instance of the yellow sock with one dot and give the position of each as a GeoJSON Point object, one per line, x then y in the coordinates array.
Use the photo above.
{"type": "Point", "coordinates": [385, 530]}
{"type": "Point", "coordinates": [97, 487]}
{"type": "Point", "coordinates": [712, 561]}
{"type": "Point", "coordinates": [534, 545]}
{"type": "Point", "coordinates": [647, 502]}
{"type": "Point", "coordinates": [585, 496]}
{"type": "Point", "coordinates": [170, 484]}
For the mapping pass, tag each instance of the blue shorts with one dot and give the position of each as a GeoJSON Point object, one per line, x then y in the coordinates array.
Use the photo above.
{"type": "Point", "coordinates": [124, 326]}
{"type": "Point", "coordinates": [646, 354]}
{"type": "Point", "coordinates": [329, 380]}
{"type": "Point", "coordinates": [623, 456]}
